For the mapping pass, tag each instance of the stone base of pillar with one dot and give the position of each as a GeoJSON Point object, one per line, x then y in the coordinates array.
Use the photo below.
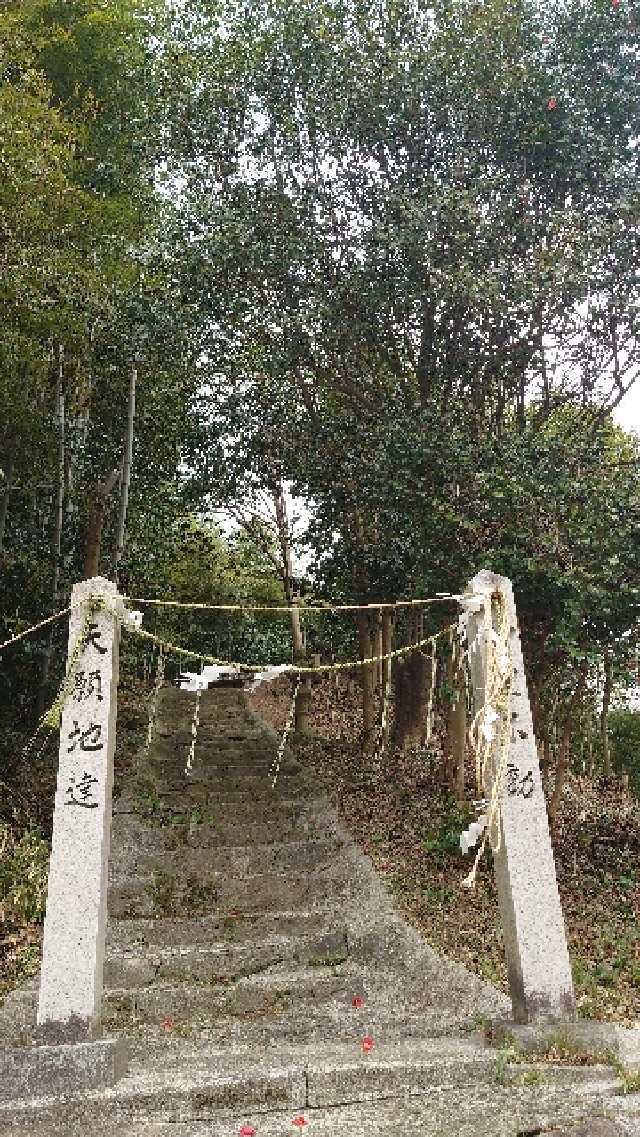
{"type": "Point", "coordinates": [601, 1042]}
{"type": "Point", "coordinates": [42, 1071]}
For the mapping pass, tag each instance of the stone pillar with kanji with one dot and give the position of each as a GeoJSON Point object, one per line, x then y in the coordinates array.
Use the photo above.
{"type": "Point", "coordinates": [69, 1008]}
{"type": "Point", "coordinates": [538, 967]}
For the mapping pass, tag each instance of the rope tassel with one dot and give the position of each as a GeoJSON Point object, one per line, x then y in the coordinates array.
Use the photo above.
{"type": "Point", "coordinates": [195, 723]}
{"type": "Point", "coordinates": [490, 735]}
{"type": "Point", "coordinates": [274, 769]}
{"type": "Point", "coordinates": [153, 707]}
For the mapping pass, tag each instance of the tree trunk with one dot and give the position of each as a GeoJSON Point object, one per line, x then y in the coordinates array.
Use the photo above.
{"type": "Point", "coordinates": [604, 717]}
{"type": "Point", "coordinates": [590, 744]}
{"type": "Point", "coordinates": [367, 680]}
{"type": "Point", "coordinates": [377, 651]}
{"type": "Point", "coordinates": [56, 541]}
{"type": "Point", "coordinates": [96, 525]}
{"type": "Point", "coordinates": [564, 745]}
{"type": "Point", "coordinates": [411, 678]}
{"type": "Point", "coordinates": [127, 459]}
{"type": "Point", "coordinates": [386, 643]}
{"type": "Point", "coordinates": [4, 500]}
{"type": "Point", "coordinates": [303, 698]}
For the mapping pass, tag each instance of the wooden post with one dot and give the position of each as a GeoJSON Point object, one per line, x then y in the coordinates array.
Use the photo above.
{"type": "Point", "coordinates": [69, 1007]}
{"type": "Point", "coordinates": [456, 728]}
{"type": "Point", "coordinates": [539, 972]}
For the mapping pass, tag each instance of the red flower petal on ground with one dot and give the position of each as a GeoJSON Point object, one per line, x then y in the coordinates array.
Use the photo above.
{"type": "Point", "coordinates": [384, 867]}
{"type": "Point", "coordinates": [234, 912]}
{"type": "Point", "coordinates": [552, 103]}
{"type": "Point", "coordinates": [357, 1002]}
{"type": "Point", "coordinates": [545, 40]}
{"type": "Point", "coordinates": [247, 1131]}
{"type": "Point", "coordinates": [367, 1045]}
{"type": "Point", "coordinates": [167, 1022]}
{"type": "Point", "coordinates": [299, 1121]}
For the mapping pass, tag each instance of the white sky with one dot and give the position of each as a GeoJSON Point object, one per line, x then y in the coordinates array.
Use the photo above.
{"type": "Point", "coordinates": [627, 413]}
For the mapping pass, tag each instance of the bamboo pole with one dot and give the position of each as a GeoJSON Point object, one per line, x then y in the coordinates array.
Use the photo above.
{"type": "Point", "coordinates": [56, 543]}
{"type": "Point", "coordinates": [4, 500]}
{"type": "Point", "coordinates": [127, 461]}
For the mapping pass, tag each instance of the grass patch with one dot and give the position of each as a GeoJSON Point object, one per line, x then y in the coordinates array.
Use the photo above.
{"type": "Point", "coordinates": [24, 863]}
{"type": "Point", "coordinates": [331, 959]}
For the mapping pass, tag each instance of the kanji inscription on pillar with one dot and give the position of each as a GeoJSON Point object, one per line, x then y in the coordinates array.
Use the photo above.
{"type": "Point", "coordinates": [74, 934]}
{"type": "Point", "coordinates": [538, 966]}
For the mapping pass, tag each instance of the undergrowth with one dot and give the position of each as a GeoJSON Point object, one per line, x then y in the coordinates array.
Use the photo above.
{"type": "Point", "coordinates": [406, 821]}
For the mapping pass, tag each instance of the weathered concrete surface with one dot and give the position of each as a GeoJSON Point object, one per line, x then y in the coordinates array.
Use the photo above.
{"type": "Point", "coordinates": [485, 1110]}
{"type": "Point", "coordinates": [36, 1071]}
{"type": "Point", "coordinates": [594, 1127]}
{"type": "Point", "coordinates": [596, 1040]}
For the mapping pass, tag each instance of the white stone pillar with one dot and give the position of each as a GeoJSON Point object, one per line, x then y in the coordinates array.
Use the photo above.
{"type": "Point", "coordinates": [539, 972]}
{"type": "Point", "coordinates": [74, 932]}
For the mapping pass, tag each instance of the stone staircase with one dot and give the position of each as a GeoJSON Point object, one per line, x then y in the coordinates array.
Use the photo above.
{"type": "Point", "coordinates": [243, 923]}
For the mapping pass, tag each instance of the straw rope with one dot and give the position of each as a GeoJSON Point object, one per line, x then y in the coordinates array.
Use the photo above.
{"type": "Point", "coordinates": [441, 598]}
{"type": "Point", "coordinates": [187, 653]}
{"type": "Point", "coordinates": [36, 627]}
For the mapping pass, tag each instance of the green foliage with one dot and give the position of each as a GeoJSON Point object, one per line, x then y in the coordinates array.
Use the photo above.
{"type": "Point", "coordinates": [624, 740]}
{"type": "Point", "coordinates": [24, 864]}
{"type": "Point", "coordinates": [331, 959]}
{"type": "Point", "coordinates": [446, 838]}
{"type": "Point", "coordinates": [624, 744]}
{"type": "Point", "coordinates": [505, 1057]}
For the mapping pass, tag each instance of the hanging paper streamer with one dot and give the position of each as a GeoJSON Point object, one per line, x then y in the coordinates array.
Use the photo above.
{"type": "Point", "coordinates": [274, 769]}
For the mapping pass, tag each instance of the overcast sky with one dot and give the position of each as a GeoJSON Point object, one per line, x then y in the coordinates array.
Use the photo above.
{"type": "Point", "coordinates": [627, 414]}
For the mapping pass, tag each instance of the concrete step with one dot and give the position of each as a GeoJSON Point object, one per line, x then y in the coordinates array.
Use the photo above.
{"type": "Point", "coordinates": [277, 992]}
{"type": "Point", "coordinates": [272, 807]}
{"type": "Point", "coordinates": [451, 1087]}
{"type": "Point", "coordinates": [218, 748]}
{"type": "Point", "coordinates": [261, 796]}
{"type": "Point", "coordinates": [234, 860]}
{"type": "Point", "coordinates": [226, 788]}
{"type": "Point", "coordinates": [173, 698]}
{"type": "Point", "coordinates": [200, 894]}
{"type": "Point", "coordinates": [237, 764]}
{"type": "Point", "coordinates": [215, 773]}
{"type": "Point", "coordinates": [239, 927]}
{"type": "Point", "coordinates": [262, 811]}
{"type": "Point", "coordinates": [231, 729]}
{"type": "Point", "coordinates": [198, 952]}
{"type": "Point", "coordinates": [234, 723]}
{"type": "Point", "coordinates": [230, 733]}
{"type": "Point", "coordinates": [331, 1020]}
{"type": "Point", "coordinates": [129, 830]}
{"type": "Point", "coordinates": [215, 963]}
{"type": "Point", "coordinates": [218, 758]}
